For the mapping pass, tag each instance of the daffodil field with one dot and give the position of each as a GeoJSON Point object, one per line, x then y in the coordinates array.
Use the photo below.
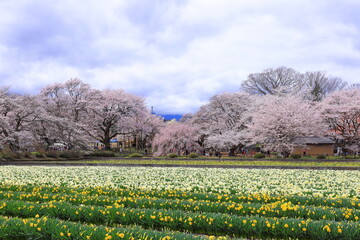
{"type": "Point", "coordinates": [177, 203]}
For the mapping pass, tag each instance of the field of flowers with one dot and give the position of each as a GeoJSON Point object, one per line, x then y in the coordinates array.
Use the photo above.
{"type": "Point", "coordinates": [177, 203]}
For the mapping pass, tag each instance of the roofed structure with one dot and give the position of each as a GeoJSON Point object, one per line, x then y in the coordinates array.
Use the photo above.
{"type": "Point", "coordinates": [313, 140]}
{"type": "Point", "coordinates": [314, 145]}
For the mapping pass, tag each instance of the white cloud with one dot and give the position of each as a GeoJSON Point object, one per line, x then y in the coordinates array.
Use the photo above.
{"type": "Point", "coordinates": [176, 54]}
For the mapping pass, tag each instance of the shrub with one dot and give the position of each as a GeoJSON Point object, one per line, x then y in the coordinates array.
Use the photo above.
{"type": "Point", "coordinates": [259, 155]}
{"type": "Point", "coordinates": [101, 154]}
{"type": "Point", "coordinates": [10, 155]}
{"type": "Point", "coordinates": [27, 154]}
{"type": "Point", "coordinates": [37, 154]}
{"type": "Point", "coordinates": [193, 155]}
{"type": "Point", "coordinates": [52, 154]}
{"type": "Point", "coordinates": [320, 156]}
{"type": "Point", "coordinates": [172, 155]}
{"type": "Point", "coordinates": [295, 156]}
{"type": "Point", "coordinates": [70, 154]}
{"type": "Point", "coordinates": [135, 155]}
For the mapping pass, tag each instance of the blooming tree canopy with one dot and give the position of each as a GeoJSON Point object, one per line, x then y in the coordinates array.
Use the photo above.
{"type": "Point", "coordinates": [176, 138]}
{"type": "Point", "coordinates": [17, 115]}
{"type": "Point", "coordinates": [341, 112]}
{"type": "Point", "coordinates": [222, 122]}
{"type": "Point", "coordinates": [286, 105]}
{"type": "Point", "coordinates": [68, 108]}
{"type": "Point", "coordinates": [110, 116]}
{"type": "Point", "coordinates": [77, 114]}
{"type": "Point", "coordinates": [277, 121]}
{"type": "Point", "coordinates": [143, 128]}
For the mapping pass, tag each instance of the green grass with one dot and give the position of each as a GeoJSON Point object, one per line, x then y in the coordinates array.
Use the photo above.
{"type": "Point", "coordinates": [331, 163]}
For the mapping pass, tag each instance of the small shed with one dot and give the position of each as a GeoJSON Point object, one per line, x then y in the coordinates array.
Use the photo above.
{"type": "Point", "coordinates": [314, 145]}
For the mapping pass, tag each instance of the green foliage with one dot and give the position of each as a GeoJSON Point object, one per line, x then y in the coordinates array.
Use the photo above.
{"type": "Point", "coordinates": [30, 216]}
{"type": "Point", "coordinates": [172, 155]}
{"type": "Point", "coordinates": [10, 155]}
{"type": "Point", "coordinates": [70, 154]}
{"type": "Point", "coordinates": [53, 228]}
{"type": "Point", "coordinates": [27, 154]}
{"type": "Point", "coordinates": [128, 151]}
{"type": "Point", "coordinates": [320, 156]}
{"type": "Point", "coordinates": [295, 156]}
{"type": "Point", "coordinates": [52, 154]}
{"type": "Point", "coordinates": [193, 155]}
{"type": "Point", "coordinates": [37, 154]}
{"type": "Point", "coordinates": [135, 155]}
{"type": "Point", "coordinates": [352, 157]}
{"type": "Point", "coordinates": [259, 155]}
{"type": "Point", "coordinates": [101, 154]}
{"type": "Point", "coordinates": [227, 162]}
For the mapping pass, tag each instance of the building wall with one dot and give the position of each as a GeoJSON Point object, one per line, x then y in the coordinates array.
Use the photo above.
{"type": "Point", "coordinates": [325, 149]}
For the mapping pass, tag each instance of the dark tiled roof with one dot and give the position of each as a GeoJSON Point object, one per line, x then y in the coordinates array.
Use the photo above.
{"type": "Point", "coordinates": [313, 140]}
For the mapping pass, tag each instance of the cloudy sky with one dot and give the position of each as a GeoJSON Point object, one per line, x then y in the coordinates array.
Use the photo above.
{"type": "Point", "coordinates": [176, 54]}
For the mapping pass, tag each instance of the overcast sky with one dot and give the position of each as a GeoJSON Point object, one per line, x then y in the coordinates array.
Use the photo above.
{"type": "Point", "coordinates": [176, 54]}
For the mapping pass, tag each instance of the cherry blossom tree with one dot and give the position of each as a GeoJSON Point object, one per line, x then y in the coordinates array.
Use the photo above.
{"type": "Point", "coordinates": [341, 112]}
{"type": "Point", "coordinates": [176, 138]}
{"type": "Point", "coordinates": [143, 127]}
{"type": "Point", "coordinates": [26, 110]}
{"type": "Point", "coordinates": [277, 121]}
{"type": "Point", "coordinates": [5, 108]}
{"type": "Point", "coordinates": [72, 99]}
{"type": "Point", "coordinates": [186, 118]}
{"type": "Point", "coordinates": [81, 99]}
{"type": "Point", "coordinates": [17, 115]}
{"type": "Point", "coordinates": [67, 111]}
{"type": "Point", "coordinates": [222, 122]}
{"type": "Point", "coordinates": [110, 116]}
{"type": "Point", "coordinates": [77, 114]}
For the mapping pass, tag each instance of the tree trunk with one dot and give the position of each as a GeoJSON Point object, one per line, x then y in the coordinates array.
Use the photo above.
{"type": "Point", "coordinates": [106, 139]}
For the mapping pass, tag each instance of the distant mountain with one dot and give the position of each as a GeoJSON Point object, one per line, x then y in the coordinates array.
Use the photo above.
{"type": "Point", "coordinates": [171, 116]}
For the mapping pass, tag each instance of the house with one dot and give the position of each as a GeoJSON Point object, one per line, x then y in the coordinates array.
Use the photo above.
{"type": "Point", "coordinates": [314, 145]}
